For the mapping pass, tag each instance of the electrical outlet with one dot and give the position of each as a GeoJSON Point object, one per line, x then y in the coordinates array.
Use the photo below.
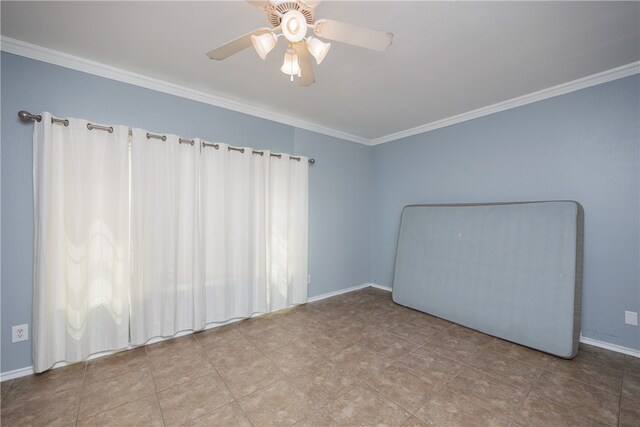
{"type": "Point", "coordinates": [631, 318]}
{"type": "Point", "coordinates": [19, 333]}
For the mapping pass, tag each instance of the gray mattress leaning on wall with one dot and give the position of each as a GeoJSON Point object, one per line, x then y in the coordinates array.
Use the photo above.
{"type": "Point", "coordinates": [512, 270]}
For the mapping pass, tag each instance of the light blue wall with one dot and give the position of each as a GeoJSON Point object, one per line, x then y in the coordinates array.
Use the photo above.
{"type": "Point", "coordinates": [581, 146]}
{"type": "Point", "coordinates": [36, 86]}
{"type": "Point", "coordinates": [339, 208]}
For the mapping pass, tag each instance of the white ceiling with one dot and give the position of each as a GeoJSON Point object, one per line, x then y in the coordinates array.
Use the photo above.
{"type": "Point", "coordinates": [447, 58]}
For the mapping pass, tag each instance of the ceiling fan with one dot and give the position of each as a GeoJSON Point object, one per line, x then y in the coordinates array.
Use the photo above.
{"type": "Point", "coordinates": [292, 19]}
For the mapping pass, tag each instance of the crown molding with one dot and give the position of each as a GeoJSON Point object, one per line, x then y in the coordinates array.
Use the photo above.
{"type": "Point", "coordinates": [561, 89]}
{"type": "Point", "coordinates": [51, 56]}
{"type": "Point", "coordinates": [62, 59]}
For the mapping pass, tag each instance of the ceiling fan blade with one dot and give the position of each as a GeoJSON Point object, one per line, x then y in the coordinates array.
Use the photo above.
{"type": "Point", "coordinates": [306, 71]}
{"type": "Point", "coordinates": [260, 4]}
{"type": "Point", "coordinates": [312, 3]}
{"type": "Point", "coordinates": [236, 45]}
{"type": "Point", "coordinates": [353, 34]}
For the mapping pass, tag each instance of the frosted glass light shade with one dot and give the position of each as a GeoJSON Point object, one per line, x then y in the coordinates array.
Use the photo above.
{"type": "Point", "coordinates": [264, 43]}
{"type": "Point", "coordinates": [294, 26]}
{"type": "Point", "coordinates": [290, 65]}
{"type": "Point", "coordinates": [318, 48]}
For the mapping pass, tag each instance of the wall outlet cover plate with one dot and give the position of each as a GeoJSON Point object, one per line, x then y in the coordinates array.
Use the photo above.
{"type": "Point", "coordinates": [19, 333]}
{"type": "Point", "coordinates": [631, 318]}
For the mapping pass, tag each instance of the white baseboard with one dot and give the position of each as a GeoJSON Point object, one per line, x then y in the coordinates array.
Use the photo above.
{"type": "Point", "coordinates": [22, 372]}
{"type": "Point", "coordinates": [351, 289]}
{"type": "Point", "coordinates": [608, 346]}
{"type": "Point", "coordinates": [338, 292]}
{"type": "Point", "coordinates": [584, 340]}
{"type": "Point", "coordinates": [384, 288]}
{"type": "Point", "coordinates": [16, 373]}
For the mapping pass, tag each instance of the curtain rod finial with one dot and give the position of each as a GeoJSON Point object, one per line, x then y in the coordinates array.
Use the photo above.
{"type": "Point", "coordinates": [26, 116]}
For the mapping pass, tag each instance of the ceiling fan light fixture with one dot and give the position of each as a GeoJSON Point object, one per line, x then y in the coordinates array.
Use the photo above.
{"type": "Point", "coordinates": [318, 49]}
{"type": "Point", "coordinates": [294, 26]}
{"type": "Point", "coordinates": [264, 43]}
{"type": "Point", "coordinates": [290, 65]}
{"type": "Point", "coordinates": [292, 19]}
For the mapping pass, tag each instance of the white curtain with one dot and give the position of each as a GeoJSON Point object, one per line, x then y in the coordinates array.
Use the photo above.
{"type": "Point", "coordinates": [141, 238]}
{"type": "Point", "coordinates": [255, 221]}
{"type": "Point", "coordinates": [287, 236]}
{"type": "Point", "coordinates": [167, 292]}
{"type": "Point", "coordinates": [298, 230]}
{"type": "Point", "coordinates": [81, 247]}
{"type": "Point", "coordinates": [234, 224]}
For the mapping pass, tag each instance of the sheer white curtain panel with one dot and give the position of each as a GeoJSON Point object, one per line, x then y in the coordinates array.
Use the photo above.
{"type": "Point", "coordinates": [234, 193]}
{"type": "Point", "coordinates": [255, 231]}
{"type": "Point", "coordinates": [298, 230]}
{"type": "Point", "coordinates": [167, 292]}
{"type": "Point", "coordinates": [287, 237]}
{"type": "Point", "coordinates": [139, 236]}
{"type": "Point", "coordinates": [81, 241]}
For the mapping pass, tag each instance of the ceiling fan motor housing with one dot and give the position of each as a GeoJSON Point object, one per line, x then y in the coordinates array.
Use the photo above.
{"type": "Point", "coordinates": [284, 6]}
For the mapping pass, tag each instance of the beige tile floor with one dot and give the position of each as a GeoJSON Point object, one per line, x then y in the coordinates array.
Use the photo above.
{"type": "Point", "coordinates": [356, 359]}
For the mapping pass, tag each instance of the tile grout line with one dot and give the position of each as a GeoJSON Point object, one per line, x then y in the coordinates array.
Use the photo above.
{"type": "Point", "coordinates": [117, 406]}
{"type": "Point", "coordinates": [533, 383]}
{"type": "Point", "coordinates": [620, 399]}
{"type": "Point", "coordinates": [397, 358]}
{"type": "Point", "coordinates": [135, 399]}
{"type": "Point", "coordinates": [7, 390]}
{"type": "Point", "coordinates": [294, 386]}
{"type": "Point", "coordinates": [84, 377]}
{"type": "Point", "coordinates": [287, 380]}
{"type": "Point", "coordinates": [348, 389]}
{"type": "Point", "coordinates": [395, 403]}
{"type": "Point", "coordinates": [570, 378]}
{"type": "Point", "coordinates": [362, 309]}
{"type": "Point", "coordinates": [486, 407]}
{"type": "Point", "coordinates": [394, 361]}
{"type": "Point", "coordinates": [233, 397]}
{"type": "Point", "coordinates": [550, 369]}
{"type": "Point", "coordinates": [146, 353]}
{"type": "Point", "coordinates": [305, 394]}
{"type": "Point", "coordinates": [502, 380]}
{"type": "Point", "coordinates": [469, 366]}
{"type": "Point", "coordinates": [564, 405]}
{"type": "Point", "coordinates": [513, 358]}
{"type": "Point", "coordinates": [237, 400]}
{"type": "Point", "coordinates": [412, 413]}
